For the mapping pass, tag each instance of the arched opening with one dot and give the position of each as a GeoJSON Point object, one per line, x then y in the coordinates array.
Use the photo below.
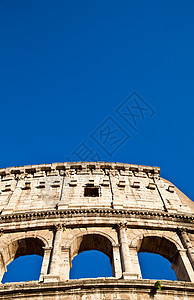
{"type": "Point", "coordinates": [166, 249]}
{"type": "Point", "coordinates": [91, 249]}
{"type": "Point", "coordinates": [23, 268]}
{"type": "Point", "coordinates": [90, 264]}
{"type": "Point", "coordinates": [28, 251]}
{"type": "Point", "coordinates": [154, 266]}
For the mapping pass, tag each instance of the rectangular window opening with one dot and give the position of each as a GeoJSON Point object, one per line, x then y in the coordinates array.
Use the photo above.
{"type": "Point", "coordinates": [91, 191]}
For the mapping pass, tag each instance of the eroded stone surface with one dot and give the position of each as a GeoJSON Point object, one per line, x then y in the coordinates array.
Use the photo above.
{"type": "Point", "coordinates": [46, 210]}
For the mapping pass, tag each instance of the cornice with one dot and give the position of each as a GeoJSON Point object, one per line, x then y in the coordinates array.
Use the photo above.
{"type": "Point", "coordinates": [105, 284]}
{"type": "Point", "coordinates": [94, 212]}
{"type": "Point", "coordinates": [97, 166]}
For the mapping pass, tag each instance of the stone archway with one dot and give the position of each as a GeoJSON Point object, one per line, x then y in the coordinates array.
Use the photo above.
{"type": "Point", "coordinates": [92, 241]}
{"type": "Point", "coordinates": [20, 247]}
{"type": "Point", "coordinates": [168, 249]}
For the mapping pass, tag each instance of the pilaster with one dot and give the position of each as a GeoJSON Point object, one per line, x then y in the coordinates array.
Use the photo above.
{"type": "Point", "coordinates": [55, 262]}
{"type": "Point", "coordinates": [65, 263]}
{"type": "Point", "coordinates": [117, 270]}
{"type": "Point", "coordinates": [45, 263]}
{"type": "Point", "coordinates": [127, 268]}
{"type": "Point", "coordinates": [187, 244]}
{"type": "Point", "coordinates": [182, 266]}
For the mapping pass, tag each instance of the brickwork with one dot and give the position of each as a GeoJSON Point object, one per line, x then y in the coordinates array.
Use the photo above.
{"type": "Point", "coordinates": [62, 209]}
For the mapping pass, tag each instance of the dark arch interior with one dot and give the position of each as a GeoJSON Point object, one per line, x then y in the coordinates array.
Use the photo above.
{"type": "Point", "coordinates": [27, 253]}
{"type": "Point", "coordinates": [93, 242]}
{"type": "Point", "coordinates": [168, 250]}
{"type": "Point", "coordinates": [159, 245]}
{"type": "Point", "coordinates": [28, 246]}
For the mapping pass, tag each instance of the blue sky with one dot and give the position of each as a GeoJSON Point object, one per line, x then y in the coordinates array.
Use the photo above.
{"type": "Point", "coordinates": [66, 66]}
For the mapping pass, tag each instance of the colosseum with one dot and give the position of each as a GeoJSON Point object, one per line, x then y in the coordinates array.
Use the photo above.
{"type": "Point", "coordinates": [62, 209]}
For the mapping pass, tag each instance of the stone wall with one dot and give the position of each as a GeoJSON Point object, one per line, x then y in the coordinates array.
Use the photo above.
{"type": "Point", "coordinates": [60, 210]}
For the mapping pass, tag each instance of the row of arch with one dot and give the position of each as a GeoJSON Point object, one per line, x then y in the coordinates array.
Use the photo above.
{"type": "Point", "coordinates": [121, 255]}
{"type": "Point", "coordinates": [28, 268]}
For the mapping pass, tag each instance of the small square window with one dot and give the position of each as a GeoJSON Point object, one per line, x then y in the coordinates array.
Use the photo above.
{"type": "Point", "coordinates": [91, 191]}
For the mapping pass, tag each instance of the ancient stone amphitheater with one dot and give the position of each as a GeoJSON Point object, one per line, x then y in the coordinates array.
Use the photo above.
{"type": "Point", "coordinates": [59, 210]}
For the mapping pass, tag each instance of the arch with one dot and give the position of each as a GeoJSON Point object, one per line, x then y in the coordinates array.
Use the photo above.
{"type": "Point", "coordinates": [23, 246]}
{"type": "Point", "coordinates": [29, 235]}
{"type": "Point", "coordinates": [168, 248]}
{"type": "Point", "coordinates": [17, 247]}
{"type": "Point", "coordinates": [159, 245]}
{"type": "Point", "coordinates": [23, 268]}
{"type": "Point", "coordinates": [89, 231]}
{"type": "Point", "coordinates": [40, 237]}
{"type": "Point", "coordinates": [76, 239]}
{"type": "Point", "coordinates": [137, 241]}
{"type": "Point", "coordinates": [92, 240]}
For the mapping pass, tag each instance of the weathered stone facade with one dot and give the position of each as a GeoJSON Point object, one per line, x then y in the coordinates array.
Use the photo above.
{"type": "Point", "coordinates": [62, 209]}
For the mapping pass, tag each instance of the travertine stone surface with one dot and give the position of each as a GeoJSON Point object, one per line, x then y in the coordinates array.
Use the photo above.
{"type": "Point", "coordinates": [127, 209]}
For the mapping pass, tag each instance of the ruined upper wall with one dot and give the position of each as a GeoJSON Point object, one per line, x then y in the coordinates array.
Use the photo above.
{"type": "Point", "coordinates": [62, 186]}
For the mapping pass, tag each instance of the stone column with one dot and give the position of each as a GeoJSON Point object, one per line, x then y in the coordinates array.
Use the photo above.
{"type": "Point", "coordinates": [128, 272]}
{"type": "Point", "coordinates": [187, 244]}
{"type": "Point", "coordinates": [182, 266]}
{"type": "Point", "coordinates": [65, 263]}
{"type": "Point", "coordinates": [117, 271]}
{"type": "Point", "coordinates": [45, 263]}
{"type": "Point", "coordinates": [135, 262]}
{"type": "Point", "coordinates": [55, 262]}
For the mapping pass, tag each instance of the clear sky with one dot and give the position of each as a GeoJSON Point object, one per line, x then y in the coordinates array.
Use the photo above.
{"type": "Point", "coordinates": [68, 70]}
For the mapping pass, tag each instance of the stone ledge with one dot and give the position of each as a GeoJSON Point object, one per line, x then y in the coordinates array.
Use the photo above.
{"type": "Point", "coordinates": [78, 165]}
{"type": "Point", "coordinates": [93, 212]}
{"type": "Point", "coordinates": [98, 283]}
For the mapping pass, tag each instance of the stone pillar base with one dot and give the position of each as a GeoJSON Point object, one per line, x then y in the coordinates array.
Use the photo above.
{"type": "Point", "coordinates": [50, 278]}
{"type": "Point", "coordinates": [127, 275]}
{"type": "Point", "coordinates": [63, 206]}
